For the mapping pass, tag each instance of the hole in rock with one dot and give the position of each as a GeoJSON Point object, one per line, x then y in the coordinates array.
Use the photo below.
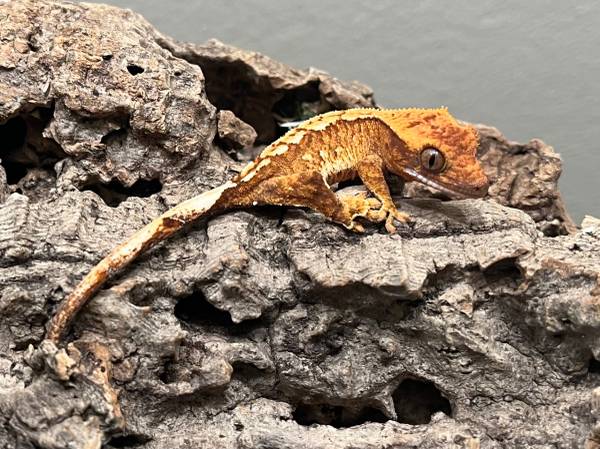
{"type": "Point", "coordinates": [246, 371]}
{"type": "Point", "coordinates": [23, 146]}
{"type": "Point", "coordinates": [336, 415]}
{"type": "Point", "coordinates": [114, 136]}
{"type": "Point", "coordinates": [416, 401]}
{"type": "Point", "coordinates": [506, 268]}
{"type": "Point", "coordinates": [168, 373]}
{"type": "Point", "coordinates": [13, 135]}
{"type": "Point", "coordinates": [135, 69]}
{"type": "Point", "coordinates": [291, 105]}
{"type": "Point", "coordinates": [235, 87]}
{"type": "Point", "coordinates": [14, 172]}
{"type": "Point", "coordinates": [196, 309]}
{"type": "Point", "coordinates": [114, 193]}
{"type": "Point", "coordinates": [227, 86]}
{"type": "Point", "coordinates": [594, 366]}
{"type": "Point", "coordinates": [125, 441]}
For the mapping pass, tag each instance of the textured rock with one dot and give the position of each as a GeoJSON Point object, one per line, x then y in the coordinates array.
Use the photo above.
{"type": "Point", "coordinates": [268, 327]}
{"type": "Point", "coordinates": [118, 105]}
{"type": "Point", "coordinates": [261, 90]}
{"type": "Point", "coordinates": [235, 134]}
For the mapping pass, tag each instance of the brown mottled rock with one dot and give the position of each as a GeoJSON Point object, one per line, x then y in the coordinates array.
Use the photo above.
{"type": "Point", "coordinates": [262, 91]}
{"type": "Point", "coordinates": [266, 327]}
{"type": "Point", "coordinates": [100, 95]}
{"type": "Point", "coordinates": [234, 133]}
{"type": "Point", "coordinates": [525, 176]}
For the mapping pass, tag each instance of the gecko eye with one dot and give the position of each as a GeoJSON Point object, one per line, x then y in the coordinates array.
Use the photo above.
{"type": "Point", "coordinates": [433, 160]}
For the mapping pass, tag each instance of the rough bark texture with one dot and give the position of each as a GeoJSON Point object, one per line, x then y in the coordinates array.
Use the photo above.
{"type": "Point", "coordinates": [477, 326]}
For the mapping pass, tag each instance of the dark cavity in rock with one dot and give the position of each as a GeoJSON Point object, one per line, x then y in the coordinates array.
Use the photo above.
{"type": "Point", "coordinates": [114, 136]}
{"type": "Point", "coordinates": [336, 415]}
{"type": "Point", "coordinates": [135, 69]}
{"type": "Point", "coordinates": [127, 441]}
{"type": "Point", "coordinates": [114, 193]}
{"type": "Point", "coordinates": [23, 147]}
{"type": "Point", "coordinates": [195, 310]}
{"type": "Point", "coordinates": [12, 135]}
{"type": "Point", "coordinates": [290, 106]}
{"type": "Point", "coordinates": [416, 401]}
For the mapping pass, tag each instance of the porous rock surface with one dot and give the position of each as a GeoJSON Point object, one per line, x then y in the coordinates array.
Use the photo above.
{"type": "Point", "coordinates": [476, 326]}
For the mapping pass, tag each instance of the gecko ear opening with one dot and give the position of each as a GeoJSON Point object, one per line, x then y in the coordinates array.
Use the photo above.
{"type": "Point", "coordinates": [433, 160]}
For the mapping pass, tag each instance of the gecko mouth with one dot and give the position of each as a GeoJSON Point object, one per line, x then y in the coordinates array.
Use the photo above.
{"type": "Point", "coordinates": [453, 191]}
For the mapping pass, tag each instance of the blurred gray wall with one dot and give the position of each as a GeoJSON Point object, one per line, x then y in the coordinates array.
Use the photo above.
{"type": "Point", "coordinates": [530, 68]}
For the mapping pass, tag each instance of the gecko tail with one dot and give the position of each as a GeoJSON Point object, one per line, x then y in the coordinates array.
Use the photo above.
{"type": "Point", "coordinates": [121, 256]}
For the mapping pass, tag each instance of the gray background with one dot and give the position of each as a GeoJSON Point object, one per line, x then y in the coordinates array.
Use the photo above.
{"type": "Point", "coordinates": [530, 68]}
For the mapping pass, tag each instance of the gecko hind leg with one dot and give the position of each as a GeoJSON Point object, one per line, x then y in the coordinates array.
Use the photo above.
{"type": "Point", "coordinates": [309, 189]}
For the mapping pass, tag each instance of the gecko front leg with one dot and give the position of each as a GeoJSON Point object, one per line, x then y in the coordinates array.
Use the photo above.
{"type": "Point", "coordinates": [370, 171]}
{"type": "Point", "coordinates": [309, 189]}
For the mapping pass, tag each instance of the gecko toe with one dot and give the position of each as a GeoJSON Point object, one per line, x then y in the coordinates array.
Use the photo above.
{"type": "Point", "coordinates": [401, 217]}
{"type": "Point", "coordinates": [357, 227]}
{"type": "Point", "coordinates": [389, 224]}
{"type": "Point", "coordinates": [392, 214]}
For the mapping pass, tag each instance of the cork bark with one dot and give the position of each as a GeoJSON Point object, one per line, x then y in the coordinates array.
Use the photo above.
{"type": "Point", "coordinates": [476, 326]}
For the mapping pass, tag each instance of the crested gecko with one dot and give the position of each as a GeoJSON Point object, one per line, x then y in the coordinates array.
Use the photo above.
{"type": "Point", "coordinates": [424, 145]}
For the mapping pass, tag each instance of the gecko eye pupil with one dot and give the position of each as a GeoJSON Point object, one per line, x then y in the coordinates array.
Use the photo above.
{"type": "Point", "coordinates": [433, 160]}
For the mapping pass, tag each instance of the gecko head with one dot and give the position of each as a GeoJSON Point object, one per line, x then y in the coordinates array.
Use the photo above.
{"type": "Point", "coordinates": [442, 153]}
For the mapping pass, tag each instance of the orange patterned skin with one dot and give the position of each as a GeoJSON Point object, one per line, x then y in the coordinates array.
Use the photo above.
{"type": "Point", "coordinates": [424, 145]}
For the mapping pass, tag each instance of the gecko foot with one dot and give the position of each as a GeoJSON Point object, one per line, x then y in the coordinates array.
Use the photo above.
{"type": "Point", "coordinates": [395, 214]}
{"type": "Point", "coordinates": [388, 213]}
{"type": "Point", "coordinates": [359, 205]}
